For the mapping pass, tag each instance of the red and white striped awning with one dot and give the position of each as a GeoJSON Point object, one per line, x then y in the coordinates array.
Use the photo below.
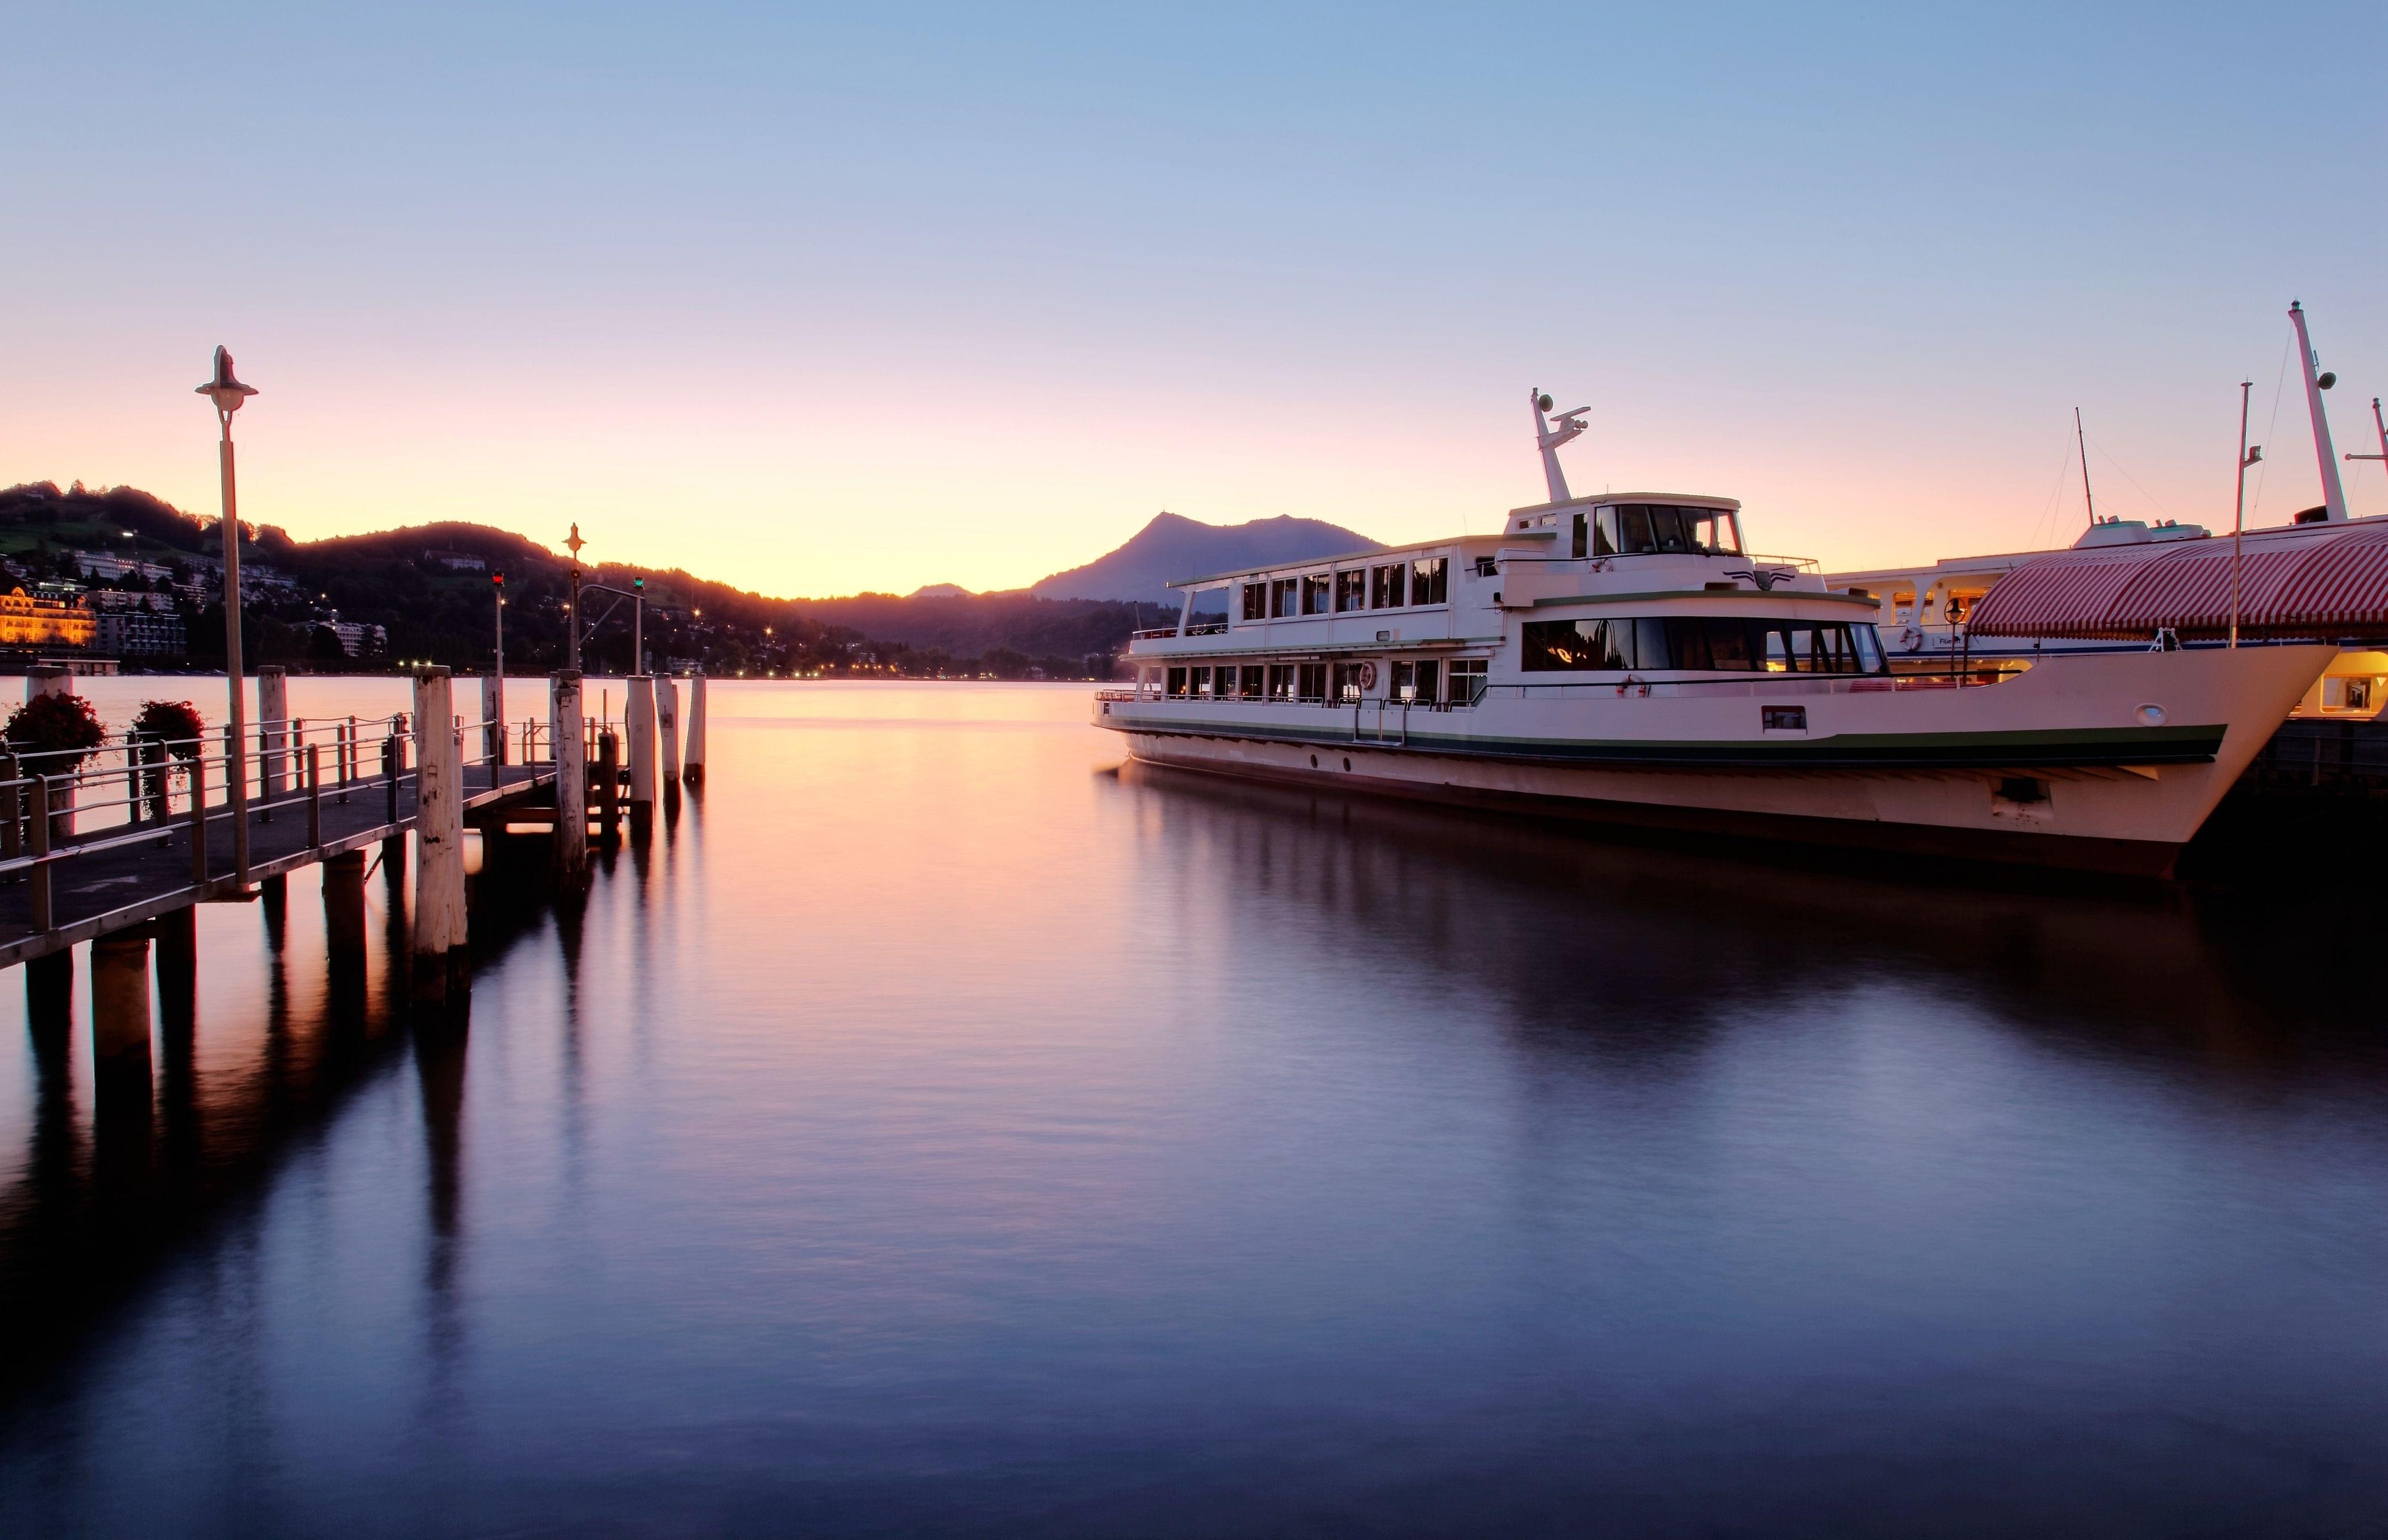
{"type": "Point", "coordinates": [2325, 580]}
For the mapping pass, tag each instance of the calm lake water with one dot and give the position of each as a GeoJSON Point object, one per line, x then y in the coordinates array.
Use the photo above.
{"type": "Point", "coordinates": [940, 1129]}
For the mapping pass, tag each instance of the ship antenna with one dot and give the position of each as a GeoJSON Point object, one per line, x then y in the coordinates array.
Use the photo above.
{"type": "Point", "coordinates": [1549, 436]}
{"type": "Point", "coordinates": [2081, 443]}
{"type": "Point", "coordinates": [2333, 496]}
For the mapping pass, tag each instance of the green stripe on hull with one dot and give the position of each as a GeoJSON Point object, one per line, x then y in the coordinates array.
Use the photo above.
{"type": "Point", "coordinates": [2023, 749]}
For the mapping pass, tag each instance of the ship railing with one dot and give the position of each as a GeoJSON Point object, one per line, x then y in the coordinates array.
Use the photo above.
{"type": "Point", "coordinates": [1489, 566]}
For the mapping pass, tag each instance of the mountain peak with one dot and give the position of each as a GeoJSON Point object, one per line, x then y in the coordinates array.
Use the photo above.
{"type": "Point", "coordinates": [1172, 547]}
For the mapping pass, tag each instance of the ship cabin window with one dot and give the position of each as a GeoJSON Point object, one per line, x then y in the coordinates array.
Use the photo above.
{"type": "Point", "coordinates": [1660, 529]}
{"type": "Point", "coordinates": [1176, 684]}
{"type": "Point", "coordinates": [1347, 681]}
{"type": "Point", "coordinates": [1702, 643]}
{"type": "Point", "coordinates": [1280, 682]}
{"type": "Point", "coordinates": [1581, 544]}
{"type": "Point", "coordinates": [1256, 601]}
{"type": "Point", "coordinates": [1314, 593]}
{"type": "Point", "coordinates": [1281, 597]}
{"type": "Point", "coordinates": [1417, 683]}
{"type": "Point", "coordinates": [1468, 680]}
{"type": "Point", "coordinates": [1429, 580]}
{"type": "Point", "coordinates": [1202, 682]}
{"type": "Point", "coordinates": [1902, 608]}
{"type": "Point", "coordinates": [1310, 682]}
{"type": "Point", "coordinates": [1352, 589]}
{"type": "Point", "coordinates": [1249, 684]}
{"type": "Point", "coordinates": [1388, 586]}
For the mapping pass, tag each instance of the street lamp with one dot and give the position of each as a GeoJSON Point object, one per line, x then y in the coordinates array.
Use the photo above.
{"type": "Point", "coordinates": [227, 392]}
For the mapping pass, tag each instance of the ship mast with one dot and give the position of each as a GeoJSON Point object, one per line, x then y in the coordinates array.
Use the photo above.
{"type": "Point", "coordinates": [1549, 435]}
{"type": "Point", "coordinates": [2081, 443]}
{"type": "Point", "coordinates": [2333, 496]}
{"type": "Point", "coordinates": [2381, 423]}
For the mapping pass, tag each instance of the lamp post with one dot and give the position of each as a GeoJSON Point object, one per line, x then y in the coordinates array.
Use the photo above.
{"type": "Point", "coordinates": [498, 673]}
{"type": "Point", "coordinates": [572, 604]}
{"type": "Point", "coordinates": [227, 393]}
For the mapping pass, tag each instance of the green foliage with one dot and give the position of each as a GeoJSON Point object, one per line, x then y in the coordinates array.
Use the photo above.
{"type": "Point", "coordinates": [62, 724]}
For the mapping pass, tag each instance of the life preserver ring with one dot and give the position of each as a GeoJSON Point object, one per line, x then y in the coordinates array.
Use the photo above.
{"type": "Point", "coordinates": [1911, 639]}
{"type": "Point", "coordinates": [1367, 676]}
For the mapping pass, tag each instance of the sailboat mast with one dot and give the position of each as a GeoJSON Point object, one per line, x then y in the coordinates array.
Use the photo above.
{"type": "Point", "coordinates": [2081, 443]}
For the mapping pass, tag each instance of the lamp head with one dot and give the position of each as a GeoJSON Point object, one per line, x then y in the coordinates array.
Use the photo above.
{"type": "Point", "coordinates": [226, 388]}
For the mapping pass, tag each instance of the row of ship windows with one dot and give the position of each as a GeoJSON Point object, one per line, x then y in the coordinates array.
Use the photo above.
{"type": "Point", "coordinates": [1420, 681]}
{"type": "Point", "coordinates": [1722, 643]}
{"type": "Point", "coordinates": [1392, 585]}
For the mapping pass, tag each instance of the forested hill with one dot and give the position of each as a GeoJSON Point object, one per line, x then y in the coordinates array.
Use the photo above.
{"type": "Point", "coordinates": [419, 583]}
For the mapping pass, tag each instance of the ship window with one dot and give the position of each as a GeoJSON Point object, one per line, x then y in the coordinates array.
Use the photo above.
{"type": "Point", "coordinates": [1603, 532]}
{"type": "Point", "coordinates": [1640, 528]}
{"type": "Point", "coordinates": [1249, 687]}
{"type": "Point", "coordinates": [1466, 679]}
{"type": "Point", "coordinates": [1177, 681]}
{"type": "Point", "coordinates": [1387, 586]}
{"type": "Point", "coordinates": [1256, 601]}
{"type": "Point", "coordinates": [1314, 593]}
{"type": "Point", "coordinates": [1311, 682]}
{"type": "Point", "coordinates": [1281, 596]}
{"type": "Point", "coordinates": [1347, 681]}
{"type": "Point", "coordinates": [1280, 682]}
{"type": "Point", "coordinates": [1352, 589]}
{"type": "Point", "coordinates": [1582, 545]}
{"type": "Point", "coordinates": [1202, 682]}
{"type": "Point", "coordinates": [1702, 643]}
{"type": "Point", "coordinates": [1429, 580]}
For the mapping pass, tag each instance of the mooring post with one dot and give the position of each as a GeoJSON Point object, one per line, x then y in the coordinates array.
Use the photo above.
{"type": "Point", "coordinates": [119, 1006]}
{"type": "Point", "coordinates": [639, 710]}
{"type": "Point", "coordinates": [50, 991]}
{"type": "Point", "coordinates": [493, 723]}
{"type": "Point", "coordinates": [177, 933]}
{"type": "Point", "coordinates": [47, 679]}
{"type": "Point", "coordinates": [439, 920]}
{"type": "Point", "coordinates": [37, 880]}
{"type": "Point", "coordinates": [692, 760]}
{"type": "Point", "coordinates": [667, 727]}
{"type": "Point", "coordinates": [199, 820]}
{"type": "Point", "coordinates": [571, 776]}
{"type": "Point", "coordinates": [609, 787]}
{"type": "Point", "coordinates": [272, 731]}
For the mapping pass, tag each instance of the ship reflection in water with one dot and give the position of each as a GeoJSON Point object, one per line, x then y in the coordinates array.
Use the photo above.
{"type": "Point", "coordinates": [940, 1128]}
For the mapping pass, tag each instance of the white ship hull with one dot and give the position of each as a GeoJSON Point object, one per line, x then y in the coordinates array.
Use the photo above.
{"type": "Point", "coordinates": [2107, 761]}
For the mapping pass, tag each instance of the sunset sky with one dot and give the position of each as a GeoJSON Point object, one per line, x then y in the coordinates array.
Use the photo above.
{"type": "Point", "coordinates": [822, 299]}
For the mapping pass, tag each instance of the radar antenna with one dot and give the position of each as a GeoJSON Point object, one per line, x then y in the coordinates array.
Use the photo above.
{"type": "Point", "coordinates": [1549, 434]}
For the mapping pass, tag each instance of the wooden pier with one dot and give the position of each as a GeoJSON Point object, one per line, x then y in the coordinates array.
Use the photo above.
{"type": "Point", "coordinates": [91, 852]}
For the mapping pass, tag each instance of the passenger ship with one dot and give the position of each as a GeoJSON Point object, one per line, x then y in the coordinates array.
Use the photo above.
{"type": "Point", "coordinates": [1625, 658]}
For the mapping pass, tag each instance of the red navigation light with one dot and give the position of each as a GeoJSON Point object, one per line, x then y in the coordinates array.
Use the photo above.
{"type": "Point", "coordinates": [497, 580]}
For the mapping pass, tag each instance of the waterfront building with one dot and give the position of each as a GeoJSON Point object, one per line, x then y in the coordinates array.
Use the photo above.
{"type": "Point", "coordinates": [27, 620]}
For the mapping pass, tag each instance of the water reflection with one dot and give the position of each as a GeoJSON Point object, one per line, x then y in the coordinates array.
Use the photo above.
{"type": "Point", "coordinates": [935, 1127]}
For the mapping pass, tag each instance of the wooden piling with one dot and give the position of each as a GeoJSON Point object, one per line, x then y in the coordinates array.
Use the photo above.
{"type": "Point", "coordinates": [493, 720]}
{"type": "Point", "coordinates": [272, 732]}
{"type": "Point", "coordinates": [49, 992]}
{"type": "Point", "coordinates": [571, 776]}
{"type": "Point", "coordinates": [37, 879]}
{"type": "Point", "coordinates": [692, 758]}
{"type": "Point", "coordinates": [119, 1001]}
{"type": "Point", "coordinates": [439, 920]}
{"type": "Point", "coordinates": [47, 679]}
{"type": "Point", "coordinates": [609, 788]}
{"type": "Point", "coordinates": [667, 727]}
{"type": "Point", "coordinates": [177, 934]}
{"type": "Point", "coordinates": [638, 712]}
